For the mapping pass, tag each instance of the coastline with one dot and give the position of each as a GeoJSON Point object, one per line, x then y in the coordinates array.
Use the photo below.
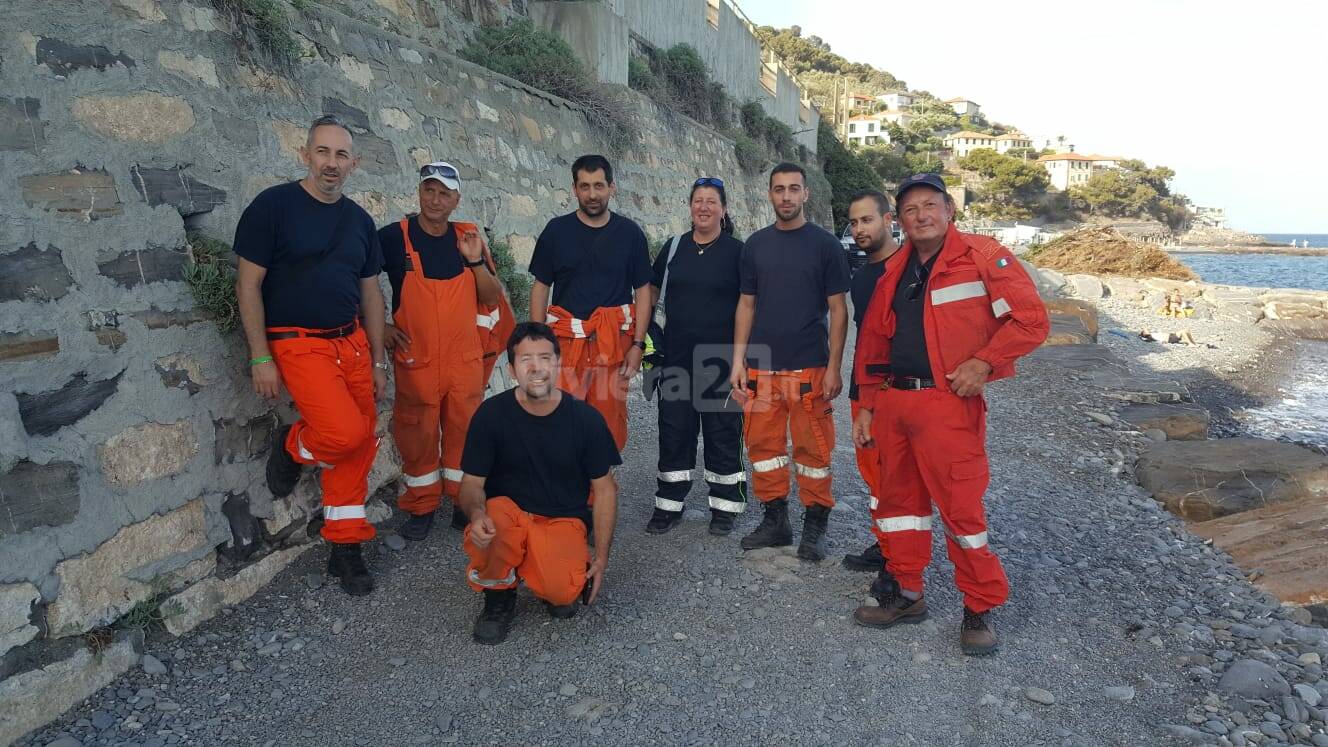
{"type": "Point", "coordinates": [1247, 249]}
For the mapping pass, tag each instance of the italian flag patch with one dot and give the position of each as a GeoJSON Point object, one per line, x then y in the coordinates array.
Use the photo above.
{"type": "Point", "coordinates": [1003, 261]}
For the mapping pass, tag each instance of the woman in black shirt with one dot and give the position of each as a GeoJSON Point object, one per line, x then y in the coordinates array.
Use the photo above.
{"type": "Point", "coordinates": [696, 276]}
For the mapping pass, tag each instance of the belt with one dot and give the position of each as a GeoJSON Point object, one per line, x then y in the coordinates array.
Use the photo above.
{"type": "Point", "coordinates": [911, 383]}
{"type": "Point", "coordinates": [324, 334]}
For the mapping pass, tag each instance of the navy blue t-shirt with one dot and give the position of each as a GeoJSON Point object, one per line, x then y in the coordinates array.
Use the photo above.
{"type": "Point", "coordinates": [283, 230]}
{"type": "Point", "coordinates": [792, 274]}
{"type": "Point", "coordinates": [439, 255]}
{"type": "Point", "coordinates": [702, 292]}
{"type": "Point", "coordinates": [590, 268]}
{"type": "Point", "coordinates": [544, 463]}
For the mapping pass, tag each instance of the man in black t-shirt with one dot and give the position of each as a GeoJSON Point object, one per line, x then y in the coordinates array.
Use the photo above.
{"type": "Point", "coordinates": [793, 274]}
{"type": "Point", "coordinates": [534, 456]}
{"type": "Point", "coordinates": [307, 289]}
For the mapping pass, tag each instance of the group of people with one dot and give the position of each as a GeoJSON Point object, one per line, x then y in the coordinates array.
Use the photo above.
{"type": "Point", "coordinates": [746, 339]}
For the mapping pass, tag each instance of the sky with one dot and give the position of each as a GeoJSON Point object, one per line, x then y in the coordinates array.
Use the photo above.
{"type": "Point", "coordinates": [1229, 95]}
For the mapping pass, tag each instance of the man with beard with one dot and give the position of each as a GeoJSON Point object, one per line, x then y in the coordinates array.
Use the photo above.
{"type": "Point", "coordinates": [449, 320]}
{"type": "Point", "coordinates": [597, 265]}
{"type": "Point", "coordinates": [307, 288]}
{"type": "Point", "coordinates": [533, 455]}
{"type": "Point", "coordinates": [792, 274]}
{"type": "Point", "coordinates": [869, 219]}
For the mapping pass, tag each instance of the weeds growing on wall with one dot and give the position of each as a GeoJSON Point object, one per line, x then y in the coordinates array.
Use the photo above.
{"type": "Point", "coordinates": [514, 278]}
{"type": "Point", "coordinates": [211, 278]}
{"type": "Point", "coordinates": [264, 27]}
{"type": "Point", "coordinates": [542, 60]}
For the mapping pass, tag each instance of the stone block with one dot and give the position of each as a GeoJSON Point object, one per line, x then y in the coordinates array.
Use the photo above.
{"type": "Point", "coordinates": [1072, 322]}
{"type": "Point", "coordinates": [1294, 310]}
{"type": "Point", "coordinates": [21, 346]}
{"type": "Point", "coordinates": [148, 10]}
{"type": "Point", "coordinates": [111, 338]}
{"type": "Point", "coordinates": [45, 413]}
{"type": "Point", "coordinates": [196, 18]}
{"type": "Point", "coordinates": [16, 626]}
{"type": "Point", "coordinates": [236, 130]}
{"type": "Point", "coordinates": [173, 187]}
{"type": "Point", "coordinates": [354, 118]}
{"type": "Point", "coordinates": [86, 194]}
{"type": "Point", "coordinates": [1204, 480]}
{"type": "Point", "coordinates": [32, 699]}
{"type": "Point", "coordinates": [264, 81]}
{"type": "Point", "coordinates": [198, 68]}
{"type": "Point", "coordinates": [532, 129]}
{"type": "Point", "coordinates": [237, 441]}
{"type": "Point", "coordinates": [147, 452]}
{"type": "Point", "coordinates": [139, 266]}
{"type": "Point", "coordinates": [290, 137]}
{"type": "Point", "coordinates": [63, 58]}
{"type": "Point", "coordinates": [21, 127]}
{"type": "Point", "coordinates": [1086, 286]}
{"type": "Point", "coordinates": [427, 15]}
{"type": "Point", "coordinates": [1181, 422]}
{"type": "Point", "coordinates": [377, 156]}
{"type": "Point", "coordinates": [205, 599]}
{"type": "Point", "coordinates": [155, 318]}
{"type": "Point", "coordinates": [179, 371]}
{"type": "Point", "coordinates": [395, 118]}
{"type": "Point", "coordinates": [143, 117]}
{"type": "Point", "coordinates": [33, 274]}
{"type": "Point", "coordinates": [140, 561]}
{"type": "Point", "coordinates": [287, 516]}
{"type": "Point", "coordinates": [374, 203]}
{"type": "Point", "coordinates": [38, 495]}
{"type": "Point", "coordinates": [356, 72]}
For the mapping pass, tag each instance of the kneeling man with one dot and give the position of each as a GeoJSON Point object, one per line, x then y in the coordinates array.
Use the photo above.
{"type": "Point", "coordinates": [535, 460]}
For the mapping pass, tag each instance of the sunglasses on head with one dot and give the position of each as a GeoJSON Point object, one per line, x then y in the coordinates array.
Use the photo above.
{"type": "Point", "coordinates": [430, 169]}
{"type": "Point", "coordinates": [709, 181]}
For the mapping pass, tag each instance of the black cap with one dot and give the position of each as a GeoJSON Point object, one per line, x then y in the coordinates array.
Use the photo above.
{"type": "Point", "coordinates": [920, 180]}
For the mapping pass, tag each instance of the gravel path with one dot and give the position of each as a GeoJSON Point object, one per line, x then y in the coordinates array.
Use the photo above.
{"type": "Point", "coordinates": [1119, 627]}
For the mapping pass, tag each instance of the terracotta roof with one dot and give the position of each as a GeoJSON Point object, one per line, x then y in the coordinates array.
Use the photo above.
{"type": "Point", "coordinates": [958, 100]}
{"type": "Point", "coordinates": [864, 118]}
{"type": "Point", "coordinates": [1103, 158]}
{"type": "Point", "coordinates": [1066, 157]}
{"type": "Point", "coordinates": [1014, 136]}
{"type": "Point", "coordinates": [970, 134]}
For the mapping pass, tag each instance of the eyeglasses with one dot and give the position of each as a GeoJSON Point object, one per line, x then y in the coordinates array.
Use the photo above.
{"type": "Point", "coordinates": [915, 288]}
{"type": "Point", "coordinates": [446, 171]}
{"type": "Point", "coordinates": [709, 181]}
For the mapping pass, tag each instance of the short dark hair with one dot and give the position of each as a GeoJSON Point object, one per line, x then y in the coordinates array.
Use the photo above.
{"type": "Point", "coordinates": [591, 163]}
{"type": "Point", "coordinates": [788, 168]}
{"type": "Point", "coordinates": [327, 120]}
{"type": "Point", "coordinates": [882, 201]}
{"type": "Point", "coordinates": [531, 331]}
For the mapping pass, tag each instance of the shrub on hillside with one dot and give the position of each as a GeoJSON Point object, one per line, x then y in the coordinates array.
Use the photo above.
{"type": "Point", "coordinates": [846, 172]}
{"type": "Point", "coordinates": [513, 277]}
{"type": "Point", "coordinates": [264, 27]}
{"type": "Point", "coordinates": [211, 280]}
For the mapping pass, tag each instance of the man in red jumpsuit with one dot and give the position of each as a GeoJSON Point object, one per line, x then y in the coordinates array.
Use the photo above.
{"type": "Point", "coordinates": [952, 312]}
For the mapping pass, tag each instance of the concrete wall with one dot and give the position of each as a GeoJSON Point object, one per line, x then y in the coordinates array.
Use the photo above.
{"type": "Point", "coordinates": [131, 444]}
{"type": "Point", "coordinates": [599, 36]}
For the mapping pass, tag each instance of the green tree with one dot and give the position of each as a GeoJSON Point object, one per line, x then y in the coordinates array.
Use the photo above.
{"type": "Point", "coordinates": [1134, 191]}
{"type": "Point", "coordinates": [846, 172]}
{"type": "Point", "coordinates": [1013, 186]}
{"type": "Point", "coordinates": [892, 167]}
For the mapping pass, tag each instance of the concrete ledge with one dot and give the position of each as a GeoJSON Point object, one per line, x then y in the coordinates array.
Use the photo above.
{"type": "Point", "coordinates": [186, 610]}
{"type": "Point", "coordinates": [32, 699]}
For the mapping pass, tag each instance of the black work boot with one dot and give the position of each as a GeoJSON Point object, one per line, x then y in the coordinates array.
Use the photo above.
{"type": "Point", "coordinates": [561, 611]}
{"type": "Point", "coordinates": [774, 529]}
{"type": "Point", "coordinates": [495, 619]}
{"type": "Point", "coordinates": [977, 634]}
{"type": "Point", "coordinates": [812, 546]}
{"type": "Point", "coordinates": [882, 584]}
{"type": "Point", "coordinates": [346, 563]}
{"type": "Point", "coordinates": [662, 521]}
{"type": "Point", "coordinates": [870, 559]}
{"type": "Point", "coordinates": [459, 518]}
{"type": "Point", "coordinates": [721, 522]}
{"type": "Point", "coordinates": [282, 469]}
{"type": "Point", "coordinates": [894, 608]}
{"type": "Point", "coordinates": [417, 527]}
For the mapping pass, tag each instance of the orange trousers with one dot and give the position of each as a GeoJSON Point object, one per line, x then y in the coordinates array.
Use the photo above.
{"type": "Point", "coordinates": [548, 554]}
{"type": "Point", "coordinates": [869, 466]}
{"type": "Point", "coordinates": [331, 382]}
{"type": "Point", "coordinates": [933, 447]}
{"type": "Point", "coordinates": [597, 384]}
{"type": "Point", "coordinates": [430, 431]}
{"type": "Point", "coordinates": [781, 403]}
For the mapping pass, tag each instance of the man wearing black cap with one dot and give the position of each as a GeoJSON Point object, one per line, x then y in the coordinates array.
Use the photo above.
{"type": "Point", "coordinates": [952, 312]}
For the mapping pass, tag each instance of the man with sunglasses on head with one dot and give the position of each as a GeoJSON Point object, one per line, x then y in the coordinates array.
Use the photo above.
{"type": "Point", "coordinates": [952, 312]}
{"type": "Point", "coordinates": [596, 265]}
{"type": "Point", "coordinates": [449, 320]}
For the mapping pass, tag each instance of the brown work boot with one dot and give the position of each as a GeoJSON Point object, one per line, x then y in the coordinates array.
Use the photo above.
{"type": "Point", "coordinates": [894, 608]}
{"type": "Point", "coordinates": [977, 635]}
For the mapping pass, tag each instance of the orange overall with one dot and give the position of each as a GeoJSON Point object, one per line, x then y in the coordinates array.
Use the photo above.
{"type": "Point", "coordinates": [780, 403]}
{"type": "Point", "coordinates": [440, 376]}
{"type": "Point", "coordinates": [331, 381]}
{"type": "Point", "coordinates": [869, 466]}
{"type": "Point", "coordinates": [592, 351]}
{"type": "Point", "coordinates": [549, 554]}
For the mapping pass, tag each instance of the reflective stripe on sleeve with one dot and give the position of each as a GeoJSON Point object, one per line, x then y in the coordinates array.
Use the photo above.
{"type": "Point", "coordinates": [904, 524]}
{"type": "Point", "coordinates": [1000, 307]}
{"type": "Point", "coordinates": [337, 513]}
{"type": "Point", "coordinates": [958, 292]}
{"type": "Point", "coordinates": [419, 481]}
{"type": "Point", "coordinates": [475, 579]}
{"type": "Point", "coordinates": [453, 475]}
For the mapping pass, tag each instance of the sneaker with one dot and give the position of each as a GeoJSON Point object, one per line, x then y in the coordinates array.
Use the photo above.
{"type": "Point", "coordinates": [663, 521]}
{"type": "Point", "coordinates": [893, 609]}
{"type": "Point", "coordinates": [721, 522]}
{"type": "Point", "coordinates": [977, 635]}
{"type": "Point", "coordinates": [870, 559]}
{"type": "Point", "coordinates": [417, 527]}
{"type": "Point", "coordinates": [346, 563]}
{"type": "Point", "coordinates": [774, 529]}
{"type": "Point", "coordinates": [283, 472]}
{"type": "Point", "coordinates": [495, 620]}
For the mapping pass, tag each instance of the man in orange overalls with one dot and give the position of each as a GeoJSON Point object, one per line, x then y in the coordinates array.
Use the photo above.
{"type": "Point", "coordinates": [449, 318]}
{"type": "Point", "coordinates": [597, 266]}
{"type": "Point", "coordinates": [307, 288]}
{"type": "Point", "coordinates": [793, 274]}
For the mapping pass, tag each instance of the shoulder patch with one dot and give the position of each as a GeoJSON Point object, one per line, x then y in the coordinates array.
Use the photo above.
{"type": "Point", "coordinates": [989, 249]}
{"type": "Point", "coordinates": [1003, 261]}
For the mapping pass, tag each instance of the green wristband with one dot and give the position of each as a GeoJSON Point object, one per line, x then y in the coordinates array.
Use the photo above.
{"type": "Point", "coordinates": [256, 361]}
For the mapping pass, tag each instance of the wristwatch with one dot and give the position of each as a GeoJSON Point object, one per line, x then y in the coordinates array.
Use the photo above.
{"type": "Point", "coordinates": [639, 343]}
{"type": "Point", "coordinates": [384, 365]}
{"type": "Point", "coordinates": [476, 263]}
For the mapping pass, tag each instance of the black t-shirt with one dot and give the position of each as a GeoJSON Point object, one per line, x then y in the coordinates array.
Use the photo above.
{"type": "Point", "coordinates": [284, 229]}
{"type": "Point", "coordinates": [860, 291]}
{"type": "Point", "coordinates": [702, 294]}
{"type": "Point", "coordinates": [542, 462]}
{"type": "Point", "coordinates": [439, 256]}
{"type": "Point", "coordinates": [792, 273]}
{"type": "Point", "coordinates": [908, 348]}
{"type": "Point", "coordinates": [590, 268]}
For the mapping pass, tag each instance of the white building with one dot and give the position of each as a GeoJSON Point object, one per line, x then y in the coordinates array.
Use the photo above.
{"type": "Point", "coordinates": [964, 107]}
{"type": "Point", "coordinates": [866, 129]}
{"type": "Point", "coordinates": [1213, 217]}
{"type": "Point", "coordinates": [965, 141]}
{"type": "Point", "coordinates": [896, 99]}
{"type": "Point", "coordinates": [1067, 169]}
{"type": "Point", "coordinates": [900, 117]}
{"type": "Point", "coordinates": [1012, 140]}
{"type": "Point", "coordinates": [1102, 163]}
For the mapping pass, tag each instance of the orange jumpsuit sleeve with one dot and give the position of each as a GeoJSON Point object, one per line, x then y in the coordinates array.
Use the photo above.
{"type": "Point", "coordinates": [1014, 301]}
